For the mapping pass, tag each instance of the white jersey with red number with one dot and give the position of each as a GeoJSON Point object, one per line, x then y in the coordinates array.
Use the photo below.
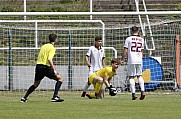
{"type": "Point", "coordinates": [95, 58]}
{"type": "Point", "coordinates": [135, 45]}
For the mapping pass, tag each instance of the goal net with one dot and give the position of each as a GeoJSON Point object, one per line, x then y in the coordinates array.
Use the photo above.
{"type": "Point", "coordinates": [21, 41]}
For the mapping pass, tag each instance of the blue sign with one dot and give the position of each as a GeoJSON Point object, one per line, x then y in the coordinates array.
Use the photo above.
{"type": "Point", "coordinates": [156, 72]}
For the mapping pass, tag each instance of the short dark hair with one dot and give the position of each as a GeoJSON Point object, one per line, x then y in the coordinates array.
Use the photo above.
{"type": "Point", "coordinates": [115, 60]}
{"type": "Point", "coordinates": [134, 29]}
{"type": "Point", "coordinates": [98, 38]}
{"type": "Point", "coordinates": [52, 37]}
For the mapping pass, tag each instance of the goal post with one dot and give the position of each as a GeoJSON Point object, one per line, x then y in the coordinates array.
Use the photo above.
{"type": "Point", "coordinates": [178, 61]}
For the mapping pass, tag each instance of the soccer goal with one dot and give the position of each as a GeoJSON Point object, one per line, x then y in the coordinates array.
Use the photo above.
{"type": "Point", "coordinates": [23, 39]}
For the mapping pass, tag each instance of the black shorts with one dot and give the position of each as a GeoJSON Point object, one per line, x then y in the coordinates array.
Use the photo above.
{"type": "Point", "coordinates": [42, 70]}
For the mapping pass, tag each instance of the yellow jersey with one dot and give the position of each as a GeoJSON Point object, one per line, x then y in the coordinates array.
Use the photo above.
{"type": "Point", "coordinates": [47, 52]}
{"type": "Point", "coordinates": [107, 71]}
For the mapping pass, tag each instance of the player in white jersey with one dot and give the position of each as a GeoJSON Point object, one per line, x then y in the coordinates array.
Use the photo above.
{"type": "Point", "coordinates": [134, 46]}
{"type": "Point", "coordinates": [95, 60]}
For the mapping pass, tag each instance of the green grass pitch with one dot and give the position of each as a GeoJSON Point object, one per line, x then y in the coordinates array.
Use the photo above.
{"type": "Point", "coordinates": [155, 106]}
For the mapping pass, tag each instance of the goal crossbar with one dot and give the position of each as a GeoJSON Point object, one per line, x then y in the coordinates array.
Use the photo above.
{"type": "Point", "coordinates": [67, 21]}
{"type": "Point", "coordinates": [90, 13]}
{"type": "Point", "coordinates": [59, 48]}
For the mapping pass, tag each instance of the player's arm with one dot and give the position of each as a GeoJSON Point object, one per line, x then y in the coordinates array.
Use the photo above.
{"type": "Point", "coordinates": [88, 54]}
{"type": "Point", "coordinates": [103, 59]}
{"type": "Point", "coordinates": [87, 61]}
{"type": "Point", "coordinates": [123, 55]}
{"type": "Point", "coordinates": [142, 53]}
{"type": "Point", "coordinates": [53, 66]}
{"type": "Point", "coordinates": [55, 71]}
{"type": "Point", "coordinates": [109, 80]}
{"type": "Point", "coordinates": [142, 50]}
{"type": "Point", "coordinates": [103, 62]}
{"type": "Point", "coordinates": [106, 81]}
{"type": "Point", "coordinates": [50, 57]}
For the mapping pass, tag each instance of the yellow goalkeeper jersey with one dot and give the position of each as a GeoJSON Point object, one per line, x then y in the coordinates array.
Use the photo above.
{"type": "Point", "coordinates": [107, 71]}
{"type": "Point", "coordinates": [47, 52]}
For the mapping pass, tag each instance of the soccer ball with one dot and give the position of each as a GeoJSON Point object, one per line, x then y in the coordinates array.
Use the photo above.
{"type": "Point", "coordinates": [113, 92]}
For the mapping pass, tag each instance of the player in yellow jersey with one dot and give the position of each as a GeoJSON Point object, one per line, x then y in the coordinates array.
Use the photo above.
{"type": "Point", "coordinates": [103, 76]}
{"type": "Point", "coordinates": [45, 67]}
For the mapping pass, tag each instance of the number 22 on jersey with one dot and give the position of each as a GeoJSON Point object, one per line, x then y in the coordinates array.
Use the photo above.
{"type": "Point", "coordinates": [136, 46]}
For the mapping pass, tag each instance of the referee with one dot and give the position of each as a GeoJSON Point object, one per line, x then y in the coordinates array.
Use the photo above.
{"type": "Point", "coordinates": [45, 67]}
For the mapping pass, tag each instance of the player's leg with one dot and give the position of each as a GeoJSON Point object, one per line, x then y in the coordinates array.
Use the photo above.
{"type": "Point", "coordinates": [87, 85]}
{"type": "Point", "coordinates": [30, 90]}
{"type": "Point", "coordinates": [91, 95]}
{"type": "Point", "coordinates": [132, 85]}
{"type": "Point", "coordinates": [98, 81]}
{"type": "Point", "coordinates": [58, 84]}
{"type": "Point", "coordinates": [101, 93]}
{"type": "Point", "coordinates": [131, 73]}
{"type": "Point", "coordinates": [57, 87]}
{"type": "Point", "coordinates": [98, 94]}
{"type": "Point", "coordinates": [39, 74]}
{"type": "Point", "coordinates": [141, 81]}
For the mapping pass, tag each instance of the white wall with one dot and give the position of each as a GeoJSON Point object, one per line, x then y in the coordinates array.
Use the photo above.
{"type": "Point", "coordinates": [23, 77]}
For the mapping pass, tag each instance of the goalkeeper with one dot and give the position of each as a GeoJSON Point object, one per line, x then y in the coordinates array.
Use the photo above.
{"type": "Point", "coordinates": [103, 76]}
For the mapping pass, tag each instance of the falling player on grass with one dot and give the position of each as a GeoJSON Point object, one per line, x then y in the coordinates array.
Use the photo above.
{"type": "Point", "coordinates": [95, 60]}
{"type": "Point", "coordinates": [134, 46]}
{"type": "Point", "coordinates": [103, 76]}
{"type": "Point", "coordinates": [45, 67]}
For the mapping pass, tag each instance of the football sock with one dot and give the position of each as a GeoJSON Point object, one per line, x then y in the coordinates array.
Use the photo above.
{"type": "Point", "coordinates": [133, 95]}
{"type": "Point", "coordinates": [29, 91]}
{"type": "Point", "coordinates": [132, 85]}
{"type": "Point", "coordinates": [57, 87]}
{"type": "Point", "coordinates": [98, 87]}
{"type": "Point", "coordinates": [142, 92]}
{"type": "Point", "coordinates": [86, 87]}
{"type": "Point", "coordinates": [141, 83]}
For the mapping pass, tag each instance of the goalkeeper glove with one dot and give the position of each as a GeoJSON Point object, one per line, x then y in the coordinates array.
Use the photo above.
{"type": "Point", "coordinates": [111, 86]}
{"type": "Point", "coordinates": [112, 91]}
